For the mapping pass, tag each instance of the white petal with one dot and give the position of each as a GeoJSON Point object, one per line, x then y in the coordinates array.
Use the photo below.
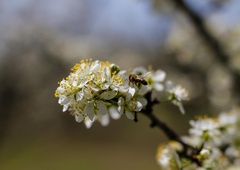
{"type": "Point", "coordinates": [159, 76]}
{"type": "Point", "coordinates": [115, 88]}
{"type": "Point", "coordinates": [121, 105]}
{"type": "Point", "coordinates": [196, 132]}
{"type": "Point", "coordinates": [79, 96]}
{"type": "Point", "coordinates": [123, 89]}
{"type": "Point", "coordinates": [94, 88]}
{"type": "Point", "coordinates": [89, 110]}
{"type": "Point", "coordinates": [78, 117]}
{"type": "Point", "coordinates": [131, 91]}
{"type": "Point", "coordinates": [114, 112]}
{"type": "Point", "coordinates": [105, 86]}
{"type": "Point", "coordinates": [169, 86]}
{"type": "Point", "coordinates": [129, 115]}
{"type": "Point", "coordinates": [181, 108]}
{"type": "Point", "coordinates": [122, 72]}
{"type": "Point", "coordinates": [107, 95]}
{"type": "Point", "coordinates": [65, 100]}
{"type": "Point", "coordinates": [65, 107]}
{"type": "Point", "coordinates": [143, 101]}
{"type": "Point", "coordinates": [121, 101]}
{"type": "Point", "coordinates": [88, 122]}
{"type": "Point", "coordinates": [95, 67]}
{"type": "Point", "coordinates": [101, 108]}
{"type": "Point", "coordinates": [83, 65]}
{"type": "Point", "coordinates": [107, 73]}
{"type": "Point", "coordinates": [60, 89]}
{"type": "Point", "coordinates": [74, 81]}
{"type": "Point", "coordinates": [134, 105]}
{"type": "Point", "coordinates": [143, 90]}
{"type": "Point", "coordinates": [158, 87]}
{"type": "Point", "coordinates": [138, 107]}
{"type": "Point", "coordinates": [104, 119]}
{"type": "Point", "coordinates": [120, 109]}
{"type": "Point", "coordinates": [192, 123]}
{"type": "Point", "coordinates": [83, 82]}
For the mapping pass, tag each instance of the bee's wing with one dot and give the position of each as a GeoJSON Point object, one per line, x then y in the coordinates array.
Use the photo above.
{"type": "Point", "coordinates": [145, 74]}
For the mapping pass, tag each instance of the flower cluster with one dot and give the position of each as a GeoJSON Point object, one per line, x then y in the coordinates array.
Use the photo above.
{"type": "Point", "coordinates": [98, 90]}
{"type": "Point", "coordinates": [216, 142]}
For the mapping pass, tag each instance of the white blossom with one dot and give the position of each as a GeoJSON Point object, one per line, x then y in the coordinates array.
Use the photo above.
{"type": "Point", "coordinates": [155, 80]}
{"type": "Point", "coordinates": [219, 140]}
{"type": "Point", "coordinates": [167, 158]}
{"type": "Point", "coordinates": [204, 128]}
{"type": "Point", "coordinates": [177, 94]}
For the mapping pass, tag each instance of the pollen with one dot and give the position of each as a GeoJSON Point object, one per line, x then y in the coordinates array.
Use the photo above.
{"type": "Point", "coordinates": [75, 67]}
{"type": "Point", "coordinates": [118, 79]}
{"type": "Point", "coordinates": [56, 94]}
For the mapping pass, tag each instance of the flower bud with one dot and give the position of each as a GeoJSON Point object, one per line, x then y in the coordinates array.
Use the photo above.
{"type": "Point", "coordinates": [114, 69]}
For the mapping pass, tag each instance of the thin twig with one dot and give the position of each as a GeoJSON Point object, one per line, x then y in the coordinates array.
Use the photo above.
{"type": "Point", "coordinates": [155, 122]}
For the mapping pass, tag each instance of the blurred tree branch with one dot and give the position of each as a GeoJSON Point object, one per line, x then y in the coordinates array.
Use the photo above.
{"type": "Point", "coordinates": [211, 42]}
{"type": "Point", "coordinates": [199, 25]}
{"type": "Point", "coordinates": [8, 97]}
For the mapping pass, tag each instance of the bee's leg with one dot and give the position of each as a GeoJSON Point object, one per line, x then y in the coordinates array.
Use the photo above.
{"type": "Point", "coordinates": [135, 117]}
{"type": "Point", "coordinates": [138, 85]}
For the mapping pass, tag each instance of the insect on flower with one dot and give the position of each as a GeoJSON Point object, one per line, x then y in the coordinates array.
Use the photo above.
{"type": "Point", "coordinates": [138, 79]}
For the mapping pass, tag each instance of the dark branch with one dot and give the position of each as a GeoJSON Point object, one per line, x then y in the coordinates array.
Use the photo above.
{"type": "Point", "coordinates": [188, 151]}
{"type": "Point", "coordinates": [155, 122]}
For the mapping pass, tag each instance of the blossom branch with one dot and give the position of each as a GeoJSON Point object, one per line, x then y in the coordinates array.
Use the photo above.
{"type": "Point", "coordinates": [97, 90]}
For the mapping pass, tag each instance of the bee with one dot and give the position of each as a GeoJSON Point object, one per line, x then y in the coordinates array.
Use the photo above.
{"type": "Point", "coordinates": [137, 79]}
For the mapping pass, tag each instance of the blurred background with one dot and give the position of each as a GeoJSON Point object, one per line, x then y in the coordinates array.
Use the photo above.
{"type": "Point", "coordinates": [195, 42]}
